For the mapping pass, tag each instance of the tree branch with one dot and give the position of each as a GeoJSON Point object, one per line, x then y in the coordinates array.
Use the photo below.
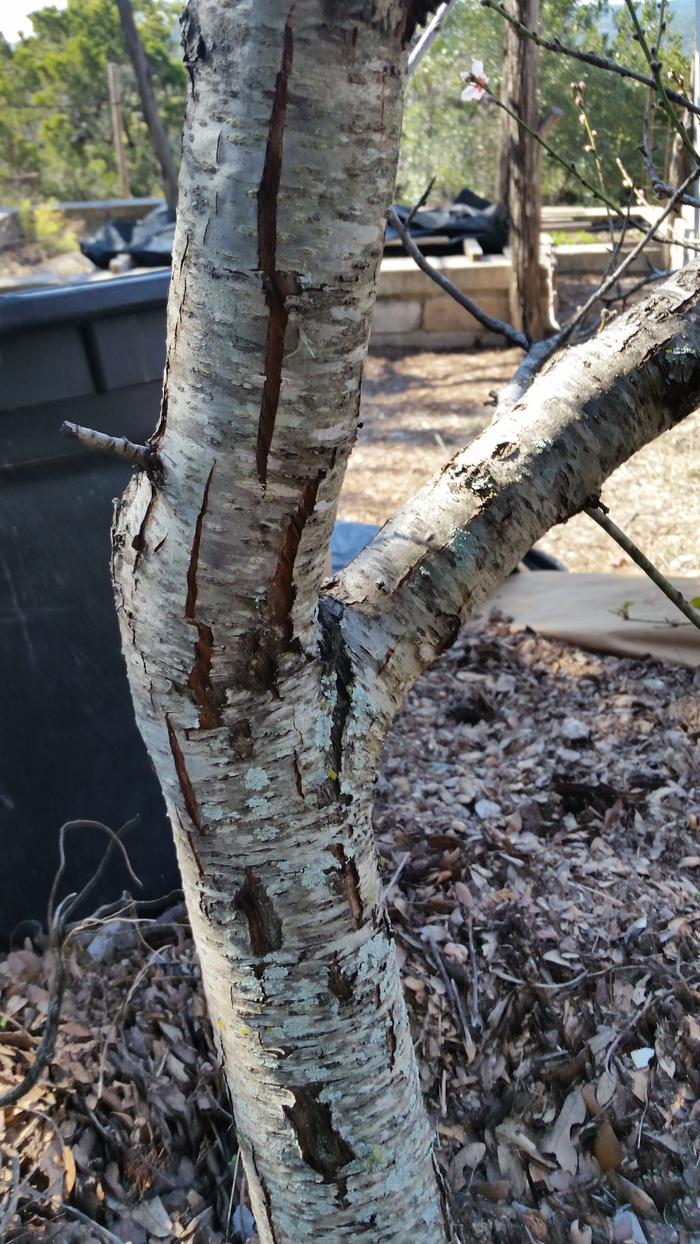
{"type": "Point", "coordinates": [587, 58]}
{"type": "Point", "coordinates": [402, 601]}
{"type": "Point", "coordinates": [118, 446]}
{"type": "Point", "coordinates": [599, 514]}
{"type": "Point", "coordinates": [511, 334]}
{"type": "Point", "coordinates": [428, 36]}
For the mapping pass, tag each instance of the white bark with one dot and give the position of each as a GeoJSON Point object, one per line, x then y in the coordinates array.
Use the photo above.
{"type": "Point", "coordinates": [264, 705]}
{"type": "Point", "coordinates": [288, 165]}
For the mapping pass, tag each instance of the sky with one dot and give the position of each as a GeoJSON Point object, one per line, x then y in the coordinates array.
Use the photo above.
{"type": "Point", "coordinates": [13, 16]}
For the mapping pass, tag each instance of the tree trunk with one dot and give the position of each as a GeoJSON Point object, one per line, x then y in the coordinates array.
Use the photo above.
{"type": "Point", "coordinates": [519, 177]}
{"type": "Point", "coordinates": [264, 703]}
{"type": "Point", "coordinates": [159, 138]}
{"type": "Point", "coordinates": [289, 159]}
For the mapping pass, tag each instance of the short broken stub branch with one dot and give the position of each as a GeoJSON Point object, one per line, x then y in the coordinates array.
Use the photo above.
{"type": "Point", "coordinates": [141, 456]}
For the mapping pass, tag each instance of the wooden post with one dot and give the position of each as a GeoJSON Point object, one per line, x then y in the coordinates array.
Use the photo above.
{"type": "Point", "coordinates": [154, 121]}
{"type": "Point", "coordinates": [115, 102]}
{"type": "Point", "coordinates": [519, 174]}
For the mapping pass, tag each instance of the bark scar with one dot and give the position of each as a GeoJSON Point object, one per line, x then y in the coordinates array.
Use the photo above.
{"type": "Point", "coordinates": [264, 925]}
{"type": "Point", "coordinates": [274, 283]}
{"type": "Point", "coordinates": [350, 881]}
{"type": "Point", "coordinates": [322, 1147]}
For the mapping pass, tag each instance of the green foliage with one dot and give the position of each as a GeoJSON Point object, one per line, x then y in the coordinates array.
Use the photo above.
{"type": "Point", "coordinates": [55, 123]}
{"type": "Point", "coordinates": [458, 142]}
{"type": "Point", "coordinates": [47, 226]}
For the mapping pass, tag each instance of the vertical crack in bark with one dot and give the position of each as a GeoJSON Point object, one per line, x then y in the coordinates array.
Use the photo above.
{"type": "Point", "coordinates": [260, 649]}
{"type": "Point", "coordinates": [391, 1039]}
{"type": "Point", "coordinates": [264, 925]}
{"type": "Point", "coordinates": [208, 701]}
{"type": "Point", "coordinates": [191, 601]}
{"type": "Point", "coordinates": [281, 592]}
{"type": "Point", "coordinates": [322, 1147]}
{"type": "Point", "coordinates": [350, 880]}
{"type": "Point", "coordinates": [184, 778]}
{"type": "Point", "coordinates": [274, 283]}
{"type": "Point", "coordinates": [297, 775]}
{"type": "Point", "coordinates": [334, 653]}
{"type": "Point", "coordinates": [267, 1200]}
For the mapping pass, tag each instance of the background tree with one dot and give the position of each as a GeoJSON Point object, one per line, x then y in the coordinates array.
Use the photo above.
{"type": "Point", "coordinates": [456, 142]}
{"type": "Point", "coordinates": [55, 127]}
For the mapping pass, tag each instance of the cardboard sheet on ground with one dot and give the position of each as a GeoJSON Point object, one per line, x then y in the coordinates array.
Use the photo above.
{"type": "Point", "coordinates": [623, 614]}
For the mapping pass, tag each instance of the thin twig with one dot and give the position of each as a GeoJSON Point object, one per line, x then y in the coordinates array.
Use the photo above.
{"type": "Point", "coordinates": [453, 993]}
{"type": "Point", "coordinates": [117, 446]}
{"type": "Point", "coordinates": [428, 36]}
{"type": "Point", "coordinates": [511, 334]}
{"type": "Point", "coordinates": [587, 58]}
{"type": "Point", "coordinates": [655, 66]}
{"type": "Point", "coordinates": [45, 1048]}
{"type": "Point", "coordinates": [474, 1014]}
{"type": "Point", "coordinates": [419, 204]}
{"type": "Point", "coordinates": [599, 516]}
{"type": "Point", "coordinates": [115, 841]}
{"type": "Point", "coordinates": [657, 275]}
{"type": "Point", "coordinates": [397, 873]}
{"type": "Point", "coordinates": [58, 915]}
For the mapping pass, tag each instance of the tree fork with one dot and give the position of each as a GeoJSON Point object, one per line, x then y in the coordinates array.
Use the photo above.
{"type": "Point", "coordinates": [263, 703]}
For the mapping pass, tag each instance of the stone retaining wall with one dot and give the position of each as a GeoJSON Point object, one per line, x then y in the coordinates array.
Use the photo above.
{"type": "Point", "coordinates": [412, 312]}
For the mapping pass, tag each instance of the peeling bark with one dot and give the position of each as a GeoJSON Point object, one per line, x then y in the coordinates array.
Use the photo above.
{"type": "Point", "coordinates": [288, 165]}
{"type": "Point", "coordinates": [266, 729]}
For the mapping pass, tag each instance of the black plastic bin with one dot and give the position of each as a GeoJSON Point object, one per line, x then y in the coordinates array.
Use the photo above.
{"type": "Point", "coordinates": [69, 746]}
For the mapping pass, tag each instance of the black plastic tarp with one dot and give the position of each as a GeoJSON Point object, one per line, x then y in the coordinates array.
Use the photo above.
{"type": "Point", "coordinates": [149, 242]}
{"type": "Point", "coordinates": [469, 216]}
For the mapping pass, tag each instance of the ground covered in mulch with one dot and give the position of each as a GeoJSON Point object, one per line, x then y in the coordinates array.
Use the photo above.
{"type": "Point", "coordinates": [538, 816]}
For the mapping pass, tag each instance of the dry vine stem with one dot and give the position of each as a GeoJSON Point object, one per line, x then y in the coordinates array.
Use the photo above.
{"type": "Point", "coordinates": [264, 699]}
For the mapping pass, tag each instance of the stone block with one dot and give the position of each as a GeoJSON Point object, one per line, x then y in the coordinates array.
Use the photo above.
{"type": "Point", "coordinates": [444, 315]}
{"type": "Point", "coordinates": [397, 315]}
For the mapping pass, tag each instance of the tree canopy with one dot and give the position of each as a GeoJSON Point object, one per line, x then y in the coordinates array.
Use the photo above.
{"type": "Point", "coordinates": [55, 125]}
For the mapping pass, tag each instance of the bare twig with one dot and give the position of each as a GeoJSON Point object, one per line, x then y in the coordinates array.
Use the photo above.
{"type": "Point", "coordinates": [45, 1048]}
{"type": "Point", "coordinates": [117, 446]}
{"type": "Point", "coordinates": [419, 204]}
{"type": "Point", "coordinates": [115, 841]}
{"type": "Point", "coordinates": [655, 67]}
{"type": "Point", "coordinates": [58, 915]}
{"type": "Point", "coordinates": [627, 261]}
{"type": "Point", "coordinates": [587, 58]}
{"type": "Point", "coordinates": [453, 994]}
{"type": "Point", "coordinates": [428, 36]}
{"type": "Point", "coordinates": [511, 334]}
{"type": "Point", "coordinates": [655, 275]}
{"type": "Point", "coordinates": [600, 516]}
{"type": "Point", "coordinates": [661, 188]}
{"type": "Point", "coordinates": [397, 873]}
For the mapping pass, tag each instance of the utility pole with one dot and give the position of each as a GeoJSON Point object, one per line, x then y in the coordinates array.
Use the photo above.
{"type": "Point", "coordinates": [115, 103]}
{"type": "Point", "coordinates": [154, 121]}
